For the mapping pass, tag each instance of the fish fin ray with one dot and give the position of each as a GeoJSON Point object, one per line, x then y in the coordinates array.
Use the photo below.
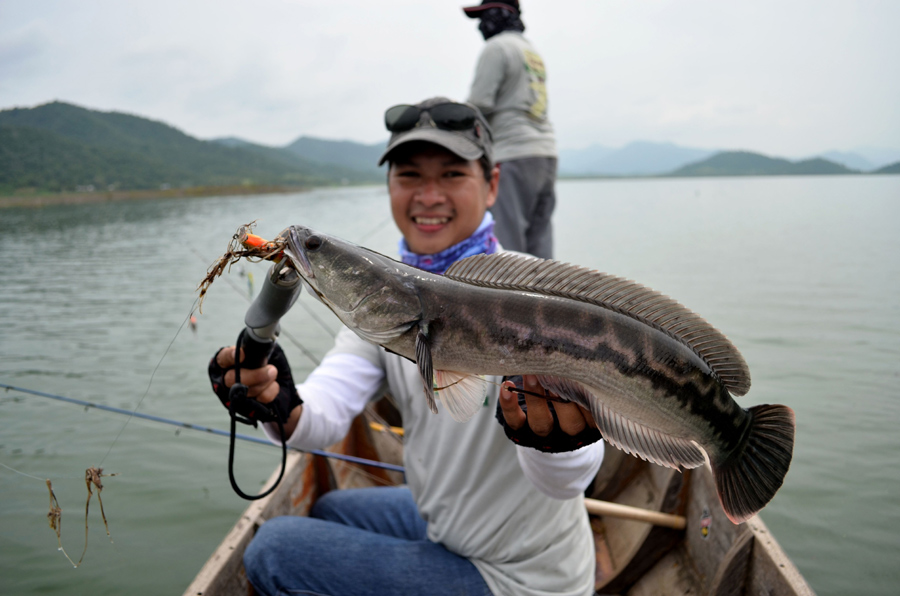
{"type": "Point", "coordinates": [626, 434]}
{"type": "Point", "coordinates": [423, 360]}
{"type": "Point", "coordinates": [462, 394]}
{"type": "Point", "coordinates": [747, 482]}
{"type": "Point", "coordinates": [523, 272]}
{"type": "Point", "coordinates": [381, 337]}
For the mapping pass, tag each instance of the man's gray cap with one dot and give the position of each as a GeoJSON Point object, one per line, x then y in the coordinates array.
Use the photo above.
{"type": "Point", "coordinates": [468, 144]}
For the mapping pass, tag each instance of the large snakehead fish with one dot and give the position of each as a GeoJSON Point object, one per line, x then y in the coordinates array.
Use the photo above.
{"type": "Point", "coordinates": [657, 378]}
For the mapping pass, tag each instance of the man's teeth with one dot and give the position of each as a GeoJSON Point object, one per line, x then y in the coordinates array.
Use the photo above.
{"type": "Point", "coordinates": [431, 221]}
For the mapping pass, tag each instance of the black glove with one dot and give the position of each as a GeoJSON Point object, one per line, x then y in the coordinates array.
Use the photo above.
{"type": "Point", "coordinates": [247, 409]}
{"type": "Point", "coordinates": [555, 442]}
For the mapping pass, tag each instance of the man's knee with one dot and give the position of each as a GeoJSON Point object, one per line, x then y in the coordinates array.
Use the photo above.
{"type": "Point", "coordinates": [261, 556]}
{"type": "Point", "coordinates": [266, 544]}
{"type": "Point", "coordinates": [329, 506]}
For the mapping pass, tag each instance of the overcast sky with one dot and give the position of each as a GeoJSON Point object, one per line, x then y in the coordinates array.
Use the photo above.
{"type": "Point", "coordinates": [782, 77]}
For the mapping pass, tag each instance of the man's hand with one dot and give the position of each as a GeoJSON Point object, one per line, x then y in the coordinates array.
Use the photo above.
{"type": "Point", "coordinates": [261, 382]}
{"type": "Point", "coordinates": [272, 385]}
{"type": "Point", "coordinates": [565, 427]}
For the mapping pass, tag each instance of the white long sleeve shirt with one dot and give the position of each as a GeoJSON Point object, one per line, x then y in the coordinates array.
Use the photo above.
{"type": "Point", "coordinates": [515, 512]}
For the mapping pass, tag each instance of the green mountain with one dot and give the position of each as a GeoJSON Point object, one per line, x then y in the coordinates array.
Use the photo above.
{"type": "Point", "coordinates": [745, 163]}
{"type": "Point", "coordinates": [893, 168]}
{"type": "Point", "coordinates": [34, 158]}
{"type": "Point", "coordinates": [59, 147]}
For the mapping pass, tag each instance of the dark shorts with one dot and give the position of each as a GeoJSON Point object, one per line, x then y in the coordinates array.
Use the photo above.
{"type": "Point", "coordinates": [525, 204]}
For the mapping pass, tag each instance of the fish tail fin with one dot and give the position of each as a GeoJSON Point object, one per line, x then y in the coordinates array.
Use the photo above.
{"type": "Point", "coordinates": [749, 480]}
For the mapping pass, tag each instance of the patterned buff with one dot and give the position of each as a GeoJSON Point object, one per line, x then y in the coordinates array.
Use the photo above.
{"type": "Point", "coordinates": [482, 241]}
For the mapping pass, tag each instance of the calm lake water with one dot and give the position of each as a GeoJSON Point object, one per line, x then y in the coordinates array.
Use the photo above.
{"type": "Point", "coordinates": [803, 274]}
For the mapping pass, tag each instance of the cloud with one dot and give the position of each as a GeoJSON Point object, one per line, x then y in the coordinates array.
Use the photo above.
{"type": "Point", "coordinates": [789, 78]}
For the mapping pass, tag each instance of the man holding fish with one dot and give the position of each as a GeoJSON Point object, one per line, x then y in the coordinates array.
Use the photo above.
{"type": "Point", "coordinates": [482, 512]}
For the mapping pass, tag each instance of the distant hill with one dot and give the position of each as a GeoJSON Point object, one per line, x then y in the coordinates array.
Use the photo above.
{"type": "Point", "coordinates": [640, 158]}
{"type": "Point", "coordinates": [344, 153]}
{"type": "Point", "coordinates": [893, 168]}
{"type": "Point", "coordinates": [63, 147]}
{"type": "Point", "coordinates": [850, 159]}
{"type": "Point", "coordinates": [745, 163]}
{"type": "Point", "coordinates": [585, 161]}
{"type": "Point", "coordinates": [34, 158]}
{"type": "Point", "coordinates": [231, 142]}
{"type": "Point", "coordinates": [59, 146]}
{"type": "Point", "coordinates": [878, 156]}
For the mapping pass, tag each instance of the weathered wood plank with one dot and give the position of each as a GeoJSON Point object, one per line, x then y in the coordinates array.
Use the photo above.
{"type": "Point", "coordinates": [636, 546]}
{"type": "Point", "coordinates": [673, 575]}
{"type": "Point", "coordinates": [731, 576]}
{"type": "Point", "coordinates": [306, 478]}
{"type": "Point", "coordinates": [711, 556]}
{"type": "Point", "coordinates": [710, 535]}
{"type": "Point", "coordinates": [223, 573]}
{"type": "Point", "coordinates": [771, 572]}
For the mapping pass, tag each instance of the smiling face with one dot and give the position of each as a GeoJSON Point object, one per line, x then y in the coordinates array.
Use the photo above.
{"type": "Point", "coordinates": [438, 199]}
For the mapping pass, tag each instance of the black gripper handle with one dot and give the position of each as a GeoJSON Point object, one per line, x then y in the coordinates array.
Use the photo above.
{"type": "Point", "coordinates": [256, 352]}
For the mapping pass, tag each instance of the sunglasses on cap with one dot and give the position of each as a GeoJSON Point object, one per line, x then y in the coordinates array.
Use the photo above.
{"type": "Point", "coordinates": [446, 116]}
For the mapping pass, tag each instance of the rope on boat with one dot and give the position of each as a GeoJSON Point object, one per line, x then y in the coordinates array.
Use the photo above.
{"type": "Point", "coordinates": [198, 427]}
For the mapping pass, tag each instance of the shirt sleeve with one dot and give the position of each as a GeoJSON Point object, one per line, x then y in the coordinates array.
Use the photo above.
{"type": "Point", "coordinates": [561, 475]}
{"type": "Point", "coordinates": [333, 395]}
{"type": "Point", "coordinates": [489, 75]}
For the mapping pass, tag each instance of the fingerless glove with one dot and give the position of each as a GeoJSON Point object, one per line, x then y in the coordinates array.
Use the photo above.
{"type": "Point", "coordinates": [247, 409]}
{"type": "Point", "coordinates": [557, 441]}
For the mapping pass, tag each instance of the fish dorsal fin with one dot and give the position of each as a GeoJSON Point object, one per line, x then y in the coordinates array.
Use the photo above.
{"type": "Point", "coordinates": [626, 434]}
{"type": "Point", "coordinates": [514, 271]}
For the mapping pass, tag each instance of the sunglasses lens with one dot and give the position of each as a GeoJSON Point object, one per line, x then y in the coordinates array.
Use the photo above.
{"type": "Point", "coordinates": [400, 118]}
{"type": "Point", "coordinates": [453, 116]}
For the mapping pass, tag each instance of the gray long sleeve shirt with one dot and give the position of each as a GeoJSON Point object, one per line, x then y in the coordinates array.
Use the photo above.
{"type": "Point", "coordinates": [510, 89]}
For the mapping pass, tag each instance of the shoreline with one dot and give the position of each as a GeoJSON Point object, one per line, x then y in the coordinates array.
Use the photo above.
{"type": "Point", "coordinates": [82, 198]}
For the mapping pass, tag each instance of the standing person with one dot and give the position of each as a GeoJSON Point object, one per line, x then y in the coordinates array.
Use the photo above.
{"type": "Point", "coordinates": [480, 514]}
{"type": "Point", "coordinates": [510, 88]}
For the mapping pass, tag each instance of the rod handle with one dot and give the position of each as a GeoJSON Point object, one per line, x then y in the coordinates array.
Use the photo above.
{"type": "Point", "coordinates": [256, 350]}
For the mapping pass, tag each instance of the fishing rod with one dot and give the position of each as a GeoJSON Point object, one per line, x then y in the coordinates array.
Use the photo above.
{"type": "Point", "coordinates": [201, 428]}
{"type": "Point", "coordinates": [594, 506]}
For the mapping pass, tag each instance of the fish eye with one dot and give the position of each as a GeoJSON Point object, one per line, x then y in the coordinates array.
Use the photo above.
{"type": "Point", "coordinates": [313, 243]}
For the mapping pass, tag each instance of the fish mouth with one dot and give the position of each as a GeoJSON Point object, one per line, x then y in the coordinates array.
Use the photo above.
{"type": "Point", "coordinates": [297, 254]}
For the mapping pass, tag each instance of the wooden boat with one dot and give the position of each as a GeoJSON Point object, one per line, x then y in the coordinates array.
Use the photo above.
{"type": "Point", "coordinates": [709, 556]}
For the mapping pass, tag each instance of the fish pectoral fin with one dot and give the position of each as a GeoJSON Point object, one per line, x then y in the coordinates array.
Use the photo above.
{"type": "Point", "coordinates": [423, 360]}
{"type": "Point", "coordinates": [626, 434]}
{"type": "Point", "coordinates": [462, 394]}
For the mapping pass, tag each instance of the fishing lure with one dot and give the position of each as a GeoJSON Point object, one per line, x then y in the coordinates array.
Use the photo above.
{"type": "Point", "coordinates": [243, 245]}
{"type": "Point", "coordinates": [92, 476]}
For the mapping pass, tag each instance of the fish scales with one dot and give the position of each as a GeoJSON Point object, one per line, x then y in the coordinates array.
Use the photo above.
{"type": "Point", "coordinates": [654, 375]}
{"type": "Point", "coordinates": [501, 332]}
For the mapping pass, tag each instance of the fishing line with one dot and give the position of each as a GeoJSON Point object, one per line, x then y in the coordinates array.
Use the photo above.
{"type": "Point", "coordinates": [197, 427]}
{"type": "Point", "coordinates": [20, 472]}
{"type": "Point", "coordinates": [150, 382]}
{"type": "Point", "coordinates": [375, 230]}
{"type": "Point", "coordinates": [94, 474]}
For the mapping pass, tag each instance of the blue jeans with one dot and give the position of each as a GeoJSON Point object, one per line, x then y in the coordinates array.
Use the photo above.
{"type": "Point", "coordinates": [362, 542]}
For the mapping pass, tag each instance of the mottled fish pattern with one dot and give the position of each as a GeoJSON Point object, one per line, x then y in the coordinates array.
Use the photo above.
{"type": "Point", "coordinates": [657, 378]}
